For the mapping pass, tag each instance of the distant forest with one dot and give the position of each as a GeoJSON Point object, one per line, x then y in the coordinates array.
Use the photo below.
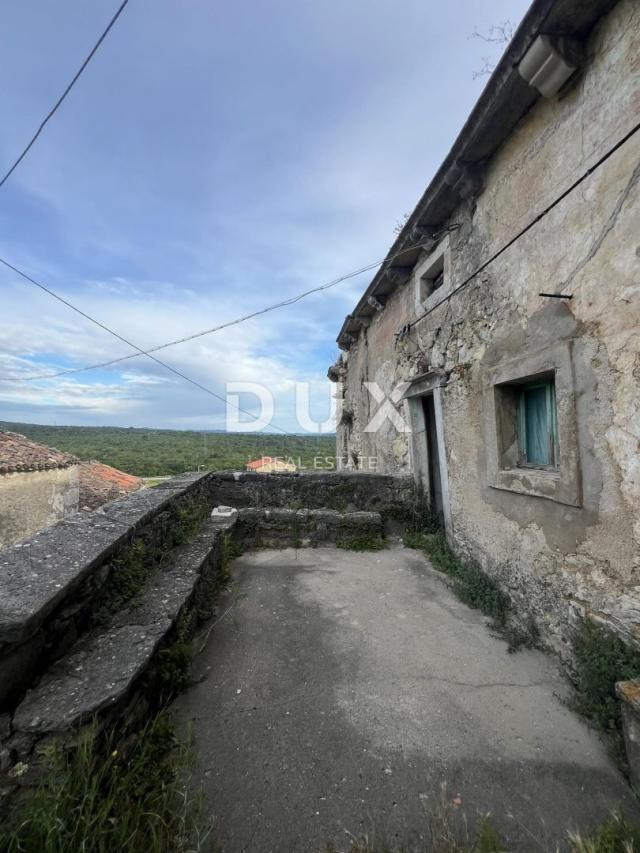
{"type": "Point", "coordinates": [156, 452]}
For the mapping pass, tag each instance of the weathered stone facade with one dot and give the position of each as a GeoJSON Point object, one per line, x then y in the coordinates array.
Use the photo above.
{"type": "Point", "coordinates": [567, 537]}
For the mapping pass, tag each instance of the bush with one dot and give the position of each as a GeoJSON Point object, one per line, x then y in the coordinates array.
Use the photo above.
{"type": "Point", "coordinates": [600, 659]}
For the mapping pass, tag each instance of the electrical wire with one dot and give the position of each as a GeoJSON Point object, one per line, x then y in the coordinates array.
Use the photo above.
{"type": "Point", "coordinates": [58, 103]}
{"type": "Point", "coordinates": [529, 225]}
{"type": "Point", "coordinates": [457, 289]}
{"type": "Point", "coordinates": [129, 343]}
{"type": "Point", "coordinates": [237, 321]}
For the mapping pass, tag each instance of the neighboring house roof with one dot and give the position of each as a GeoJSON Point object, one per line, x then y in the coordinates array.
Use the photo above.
{"type": "Point", "coordinates": [19, 453]}
{"type": "Point", "coordinates": [101, 483]}
{"type": "Point", "coordinates": [269, 461]}
{"type": "Point", "coordinates": [259, 463]}
{"type": "Point", "coordinates": [503, 102]}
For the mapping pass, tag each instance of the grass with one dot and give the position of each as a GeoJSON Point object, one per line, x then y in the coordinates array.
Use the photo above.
{"type": "Point", "coordinates": [365, 542]}
{"type": "Point", "coordinates": [614, 835]}
{"type": "Point", "coordinates": [445, 830]}
{"type": "Point", "coordinates": [97, 798]}
{"type": "Point", "coordinates": [470, 582]}
{"type": "Point", "coordinates": [446, 833]}
{"type": "Point", "coordinates": [601, 658]}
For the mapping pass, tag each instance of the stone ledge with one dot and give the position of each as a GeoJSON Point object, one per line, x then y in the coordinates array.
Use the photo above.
{"type": "Point", "coordinates": [331, 478]}
{"type": "Point", "coordinates": [393, 495]}
{"type": "Point", "coordinates": [101, 669]}
{"type": "Point", "coordinates": [36, 575]}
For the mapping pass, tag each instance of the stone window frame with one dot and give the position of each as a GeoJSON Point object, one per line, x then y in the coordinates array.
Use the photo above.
{"type": "Point", "coordinates": [561, 483]}
{"type": "Point", "coordinates": [439, 257]}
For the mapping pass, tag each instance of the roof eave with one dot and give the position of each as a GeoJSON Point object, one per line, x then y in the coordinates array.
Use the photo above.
{"type": "Point", "coordinates": [503, 102]}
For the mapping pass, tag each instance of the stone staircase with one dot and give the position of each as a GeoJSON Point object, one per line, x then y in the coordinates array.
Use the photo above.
{"type": "Point", "coordinates": [99, 671]}
{"type": "Point", "coordinates": [65, 659]}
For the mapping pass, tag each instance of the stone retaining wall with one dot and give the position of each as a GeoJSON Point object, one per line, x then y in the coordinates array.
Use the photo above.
{"type": "Point", "coordinates": [304, 528]}
{"type": "Point", "coordinates": [51, 584]}
{"type": "Point", "coordinates": [392, 495]}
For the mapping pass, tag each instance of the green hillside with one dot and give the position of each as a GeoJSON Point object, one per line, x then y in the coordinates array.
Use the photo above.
{"type": "Point", "coordinates": [156, 452]}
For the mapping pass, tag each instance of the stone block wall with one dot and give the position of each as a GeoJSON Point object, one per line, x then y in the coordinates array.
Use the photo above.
{"type": "Point", "coordinates": [392, 495]}
{"type": "Point", "coordinates": [52, 585]}
{"type": "Point", "coordinates": [304, 528]}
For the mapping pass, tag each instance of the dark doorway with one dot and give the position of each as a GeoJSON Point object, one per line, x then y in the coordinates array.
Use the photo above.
{"type": "Point", "coordinates": [435, 481]}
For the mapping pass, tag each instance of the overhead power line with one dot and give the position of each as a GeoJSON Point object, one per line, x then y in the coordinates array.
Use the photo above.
{"type": "Point", "coordinates": [129, 343]}
{"type": "Point", "coordinates": [457, 289]}
{"type": "Point", "coordinates": [237, 321]}
{"type": "Point", "coordinates": [58, 103]}
{"type": "Point", "coordinates": [583, 177]}
{"type": "Point", "coordinates": [388, 259]}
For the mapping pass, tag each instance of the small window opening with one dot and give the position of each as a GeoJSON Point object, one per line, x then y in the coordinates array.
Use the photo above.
{"type": "Point", "coordinates": [434, 279]}
{"type": "Point", "coordinates": [537, 424]}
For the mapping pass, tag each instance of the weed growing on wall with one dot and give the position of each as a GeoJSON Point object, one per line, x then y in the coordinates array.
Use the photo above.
{"type": "Point", "coordinates": [174, 661]}
{"type": "Point", "coordinates": [422, 519]}
{"type": "Point", "coordinates": [471, 583]}
{"type": "Point", "coordinates": [98, 798]}
{"type": "Point", "coordinates": [134, 564]}
{"type": "Point", "coordinates": [231, 550]}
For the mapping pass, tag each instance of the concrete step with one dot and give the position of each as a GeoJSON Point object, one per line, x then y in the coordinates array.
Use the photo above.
{"type": "Point", "coordinates": [100, 670]}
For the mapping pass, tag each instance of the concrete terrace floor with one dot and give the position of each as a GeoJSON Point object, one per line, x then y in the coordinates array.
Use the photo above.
{"type": "Point", "coordinates": [342, 690]}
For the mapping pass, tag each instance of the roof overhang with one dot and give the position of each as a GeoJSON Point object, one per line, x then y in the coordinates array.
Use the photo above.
{"type": "Point", "coordinates": [504, 100]}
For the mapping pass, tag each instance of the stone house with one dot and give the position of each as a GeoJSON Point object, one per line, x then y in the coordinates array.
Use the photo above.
{"type": "Point", "coordinates": [496, 352]}
{"type": "Point", "coordinates": [40, 486]}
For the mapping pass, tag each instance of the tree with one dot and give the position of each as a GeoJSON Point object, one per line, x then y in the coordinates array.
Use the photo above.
{"type": "Point", "coordinates": [497, 34]}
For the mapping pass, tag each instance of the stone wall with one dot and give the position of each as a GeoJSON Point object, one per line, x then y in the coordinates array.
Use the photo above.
{"type": "Point", "coordinates": [305, 528]}
{"type": "Point", "coordinates": [556, 554]}
{"type": "Point", "coordinates": [391, 495]}
{"type": "Point", "coordinates": [52, 584]}
{"type": "Point", "coordinates": [33, 500]}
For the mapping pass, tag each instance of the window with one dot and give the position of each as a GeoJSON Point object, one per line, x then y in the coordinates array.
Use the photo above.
{"type": "Point", "coordinates": [432, 280]}
{"type": "Point", "coordinates": [530, 424]}
{"type": "Point", "coordinates": [431, 275]}
{"type": "Point", "coordinates": [537, 425]}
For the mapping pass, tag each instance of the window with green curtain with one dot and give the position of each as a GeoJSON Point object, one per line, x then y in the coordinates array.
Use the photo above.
{"type": "Point", "coordinates": [537, 431]}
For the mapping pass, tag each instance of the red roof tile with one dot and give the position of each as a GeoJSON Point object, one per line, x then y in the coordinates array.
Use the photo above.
{"type": "Point", "coordinates": [101, 483]}
{"type": "Point", "coordinates": [258, 463]}
{"type": "Point", "coordinates": [19, 453]}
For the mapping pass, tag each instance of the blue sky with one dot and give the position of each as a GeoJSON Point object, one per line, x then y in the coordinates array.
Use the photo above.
{"type": "Point", "coordinates": [213, 158]}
